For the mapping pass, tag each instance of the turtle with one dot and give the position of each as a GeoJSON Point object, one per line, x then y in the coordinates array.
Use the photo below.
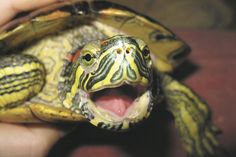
{"type": "Point", "coordinates": [99, 62]}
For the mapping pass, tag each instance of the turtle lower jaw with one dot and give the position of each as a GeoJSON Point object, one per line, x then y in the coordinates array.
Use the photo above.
{"type": "Point", "coordinates": [134, 112]}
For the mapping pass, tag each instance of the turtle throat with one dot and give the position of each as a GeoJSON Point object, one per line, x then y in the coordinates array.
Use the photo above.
{"type": "Point", "coordinates": [119, 100]}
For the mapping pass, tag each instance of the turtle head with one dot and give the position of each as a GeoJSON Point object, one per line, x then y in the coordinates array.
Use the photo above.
{"type": "Point", "coordinates": [111, 82]}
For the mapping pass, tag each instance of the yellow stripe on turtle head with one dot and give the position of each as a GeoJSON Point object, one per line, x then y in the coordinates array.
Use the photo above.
{"type": "Point", "coordinates": [119, 60]}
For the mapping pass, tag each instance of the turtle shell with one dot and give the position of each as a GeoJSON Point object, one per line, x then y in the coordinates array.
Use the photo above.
{"type": "Point", "coordinates": [168, 50]}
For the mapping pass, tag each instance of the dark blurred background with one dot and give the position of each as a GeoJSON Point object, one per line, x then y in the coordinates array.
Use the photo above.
{"type": "Point", "coordinates": [207, 14]}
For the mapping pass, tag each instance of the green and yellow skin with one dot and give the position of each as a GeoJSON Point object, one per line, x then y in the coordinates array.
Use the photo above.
{"type": "Point", "coordinates": [65, 61]}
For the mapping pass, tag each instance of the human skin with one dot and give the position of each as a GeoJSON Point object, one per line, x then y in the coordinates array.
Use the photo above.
{"type": "Point", "coordinates": [9, 8]}
{"type": "Point", "coordinates": [28, 140]}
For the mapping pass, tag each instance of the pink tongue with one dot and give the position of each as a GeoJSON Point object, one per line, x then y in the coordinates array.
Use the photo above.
{"type": "Point", "coordinates": [115, 104]}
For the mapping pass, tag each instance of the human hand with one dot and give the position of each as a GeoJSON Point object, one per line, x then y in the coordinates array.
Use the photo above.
{"type": "Point", "coordinates": [25, 140]}
{"type": "Point", "coordinates": [9, 8]}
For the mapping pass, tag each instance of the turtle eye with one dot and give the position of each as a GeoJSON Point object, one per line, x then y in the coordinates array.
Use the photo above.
{"type": "Point", "coordinates": [88, 59]}
{"type": "Point", "coordinates": [146, 52]}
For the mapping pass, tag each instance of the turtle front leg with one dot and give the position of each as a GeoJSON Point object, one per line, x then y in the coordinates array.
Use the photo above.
{"type": "Point", "coordinates": [21, 78]}
{"type": "Point", "coordinates": [192, 118]}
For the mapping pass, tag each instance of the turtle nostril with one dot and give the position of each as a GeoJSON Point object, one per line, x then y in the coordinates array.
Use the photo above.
{"type": "Point", "coordinates": [119, 50]}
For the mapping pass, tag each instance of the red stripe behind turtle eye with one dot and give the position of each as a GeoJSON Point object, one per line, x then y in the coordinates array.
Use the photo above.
{"type": "Point", "coordinates": [104, 42]}
{"type": "Point", "coordinates": [73, 57]}
{"type": "Point", "coordinates": [76, 56]}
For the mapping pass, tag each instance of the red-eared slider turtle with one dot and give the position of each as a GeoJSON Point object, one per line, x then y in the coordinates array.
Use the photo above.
{"type": "Point", "coordinates": [100, 62]}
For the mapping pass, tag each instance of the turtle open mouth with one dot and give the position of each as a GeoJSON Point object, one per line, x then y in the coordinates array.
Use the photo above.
{"type": "Point", "coordinates": [118, 101]}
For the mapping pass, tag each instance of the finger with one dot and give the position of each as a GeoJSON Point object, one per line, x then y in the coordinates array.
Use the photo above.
{"type": "Point", "coordinates": [31, 140]}
{"type": "Point", "coordinates": [11, 7]}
